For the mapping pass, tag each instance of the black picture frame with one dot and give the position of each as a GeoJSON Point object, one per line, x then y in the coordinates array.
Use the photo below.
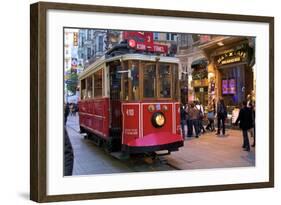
{"type": "Point", "coordinates": [38, 102]}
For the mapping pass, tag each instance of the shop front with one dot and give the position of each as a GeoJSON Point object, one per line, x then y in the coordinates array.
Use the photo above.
{"type": "Point", "coordinates": [234, 74]}
{"type": "Point", "coordinates": [200, 88]}
{"type": "Point", "coordinates": [199, 81]}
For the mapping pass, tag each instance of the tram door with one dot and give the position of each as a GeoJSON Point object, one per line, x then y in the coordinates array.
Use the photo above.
{"type": "Point", "coordinates": [115, 101]}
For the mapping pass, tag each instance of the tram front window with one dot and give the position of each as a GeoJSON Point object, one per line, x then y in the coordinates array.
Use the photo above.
{"type": "Point", "coordinates": [165, 81]}
{"type": "Point", "coordinates": [149, 81]}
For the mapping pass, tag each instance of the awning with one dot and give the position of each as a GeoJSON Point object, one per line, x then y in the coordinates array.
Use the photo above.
{"type": "Point", "coordinates": [202, 62]}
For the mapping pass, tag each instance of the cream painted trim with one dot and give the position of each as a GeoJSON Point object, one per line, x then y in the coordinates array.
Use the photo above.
{"type": "Point", "coordinates": [101, 61]}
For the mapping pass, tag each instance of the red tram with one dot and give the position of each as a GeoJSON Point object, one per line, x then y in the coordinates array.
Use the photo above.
{"type": "Point", "coordinates": [129, 101]}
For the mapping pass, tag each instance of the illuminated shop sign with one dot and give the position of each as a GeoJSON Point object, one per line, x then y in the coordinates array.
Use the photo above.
{"type": "Point", "coordinates": [232, 56]}
{"type": "Point", "coordinates": [231, 60]}
{"type": "Point", "coordinates": [199, 83]}
{"type": "Point", "coordinates": [75, 39]}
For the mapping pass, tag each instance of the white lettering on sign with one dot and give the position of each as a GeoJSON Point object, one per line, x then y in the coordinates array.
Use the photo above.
{"type": "Point", "coordinates": [130, 112]}
{"type": "Point", "coordinates": [131, 131]}
{"type": "Point", "coordinates": [158, 49]}
{"type": "Point", "coordinates": [232, 60]}
{"type": "Point", "coordinates": [141, 46]}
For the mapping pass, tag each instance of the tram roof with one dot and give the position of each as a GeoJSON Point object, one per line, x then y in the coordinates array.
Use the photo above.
{"type": "Point", "coordinates": [125, 57]}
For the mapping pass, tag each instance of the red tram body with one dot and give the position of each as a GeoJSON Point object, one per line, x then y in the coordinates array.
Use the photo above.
{"type": "Point", "coordinates": [130, 102]}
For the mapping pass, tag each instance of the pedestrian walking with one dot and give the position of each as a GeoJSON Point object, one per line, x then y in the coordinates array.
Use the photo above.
{"type": "Point", "coordinates": [245, 119]}
{"type": "Point", "coordinates": [188, 120]}
{"type": "Point", "coordinates": [183, 119]}
{"type": "Point", "coordinates": [253, 129]}
{"type": "Point", "coordinates": [199, 107]}
{"type": "Point", "coordinates": [249, 100]}
{"type": "Point", "coordinates": [71, 109]}
{"type": "Point", "coordinates": [74, 109]}
{"type": "Point", "coordinates": [221, 116]}
{"type": "Point", "coordinates": [194, 118]}
{"type": "Point", "coordinates": [211, 117]}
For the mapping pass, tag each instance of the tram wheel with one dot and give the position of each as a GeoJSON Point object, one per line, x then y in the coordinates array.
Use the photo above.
{"type": "Point", "coordinates": [86, 136]}
{"type": "Point", "coordinates": [99, 142]}
{"type": "Point", "coordinates": [108, 146]}
{"type": "Point", "coordinates": [82, 130]}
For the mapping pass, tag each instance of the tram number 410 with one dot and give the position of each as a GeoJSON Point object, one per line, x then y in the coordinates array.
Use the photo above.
{"type": "Point", "coordinates": [130, 112]}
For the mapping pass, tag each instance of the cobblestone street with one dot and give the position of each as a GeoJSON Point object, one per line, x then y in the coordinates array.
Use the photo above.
{"type": "Point", "coordinates": [91, 159]}
{"type": "Point", "coordinates": [213, 151]}
{"type": "Point", "coordinates": [207, 151]}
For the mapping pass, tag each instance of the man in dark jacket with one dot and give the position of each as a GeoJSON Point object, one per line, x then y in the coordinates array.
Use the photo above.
{"type": "Point", "coordinates": [246, 122]}
{"type": "Point", "coordinates": [221, 116]}
{"type": "Point", "coordinates": [68, 155]}
{"type": "Point", "coordinates": [194, 116]}
{"type": "Point", "coordinates": [183, 118]}
{"type": "Point", "coordinates": [66, 112]}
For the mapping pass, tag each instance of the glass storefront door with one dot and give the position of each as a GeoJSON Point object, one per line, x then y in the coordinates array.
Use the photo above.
{"type": "Point", "coordinates": [236, 83]}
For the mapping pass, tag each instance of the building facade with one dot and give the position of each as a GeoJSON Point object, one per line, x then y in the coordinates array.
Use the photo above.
{"type": "Point", "coordinates": [94, 43]}
{"type": "Point", "coordinates": [194, 79]}
{"type": "Point", "coordinates": [72, 64]}
{"type": "Point", "coordinates": [168, 39]}
{"type": "Point", "coordinates": [216, 66]}
{"type": "Point", "coordinates": [231, 70]}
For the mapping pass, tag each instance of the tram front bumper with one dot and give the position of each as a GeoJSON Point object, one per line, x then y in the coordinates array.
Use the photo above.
{"type": "Point", "coordinates": [154, 142]}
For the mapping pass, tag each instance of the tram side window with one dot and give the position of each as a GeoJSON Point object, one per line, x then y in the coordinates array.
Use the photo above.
{"type": "Point", "coordinates": [165, 78]}
{"type": "Point", "coordinates": [135, 80]}
{"type": "Point", "coordinates": [124, 81]}
{"type": "Point", "coordinates": [149, 81]}
{"type": "Point", "coordinates": [98, 83]}
{"type": "Point", "coordinates": [83, 89]}
{"type": "Point", "coordinates": [89, 81]}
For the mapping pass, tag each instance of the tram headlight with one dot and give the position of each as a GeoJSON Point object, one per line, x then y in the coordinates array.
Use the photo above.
{"type": "Point", "coordinates": [158, 119]}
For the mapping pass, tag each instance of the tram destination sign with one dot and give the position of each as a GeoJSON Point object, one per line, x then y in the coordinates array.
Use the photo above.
{"type": "Point", "coordinates": [143, 41]}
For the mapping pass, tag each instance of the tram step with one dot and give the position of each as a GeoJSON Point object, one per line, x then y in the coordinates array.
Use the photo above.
{"type": "Point", "coordinates": [120, 155]}
{"type": "Point", "coordinates": [162, 152]}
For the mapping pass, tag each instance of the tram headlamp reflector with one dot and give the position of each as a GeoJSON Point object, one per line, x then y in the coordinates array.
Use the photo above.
{"type": "Point", "coordinates": [165, 108]}
{"type": "Point", "coordinates": [151, 108]}
{"type": "Point", "coordinates": [158, 119]}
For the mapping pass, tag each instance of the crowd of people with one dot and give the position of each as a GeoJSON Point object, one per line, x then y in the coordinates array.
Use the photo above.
{"type": "Point", "coordinates": [193, 116]}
